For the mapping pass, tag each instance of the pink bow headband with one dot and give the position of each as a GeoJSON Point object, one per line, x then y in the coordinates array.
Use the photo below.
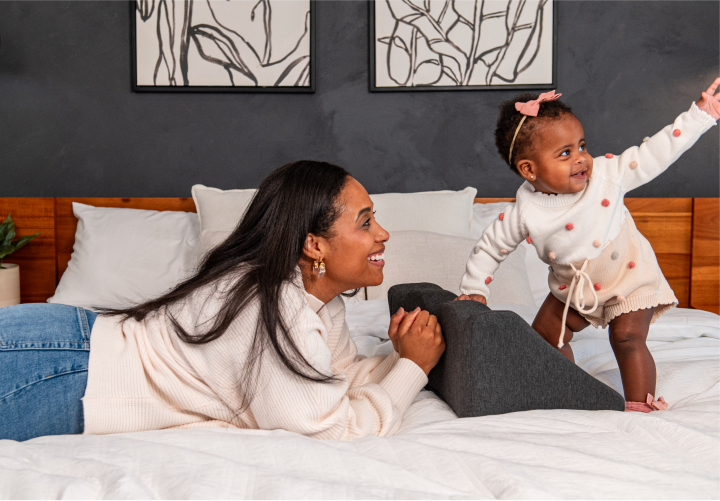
{"type": "Point", "coordinates": [530, 109]}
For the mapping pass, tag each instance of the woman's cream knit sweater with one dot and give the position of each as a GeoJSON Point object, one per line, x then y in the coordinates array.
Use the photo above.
{"type": "Point", "coordinates": [143, 377]}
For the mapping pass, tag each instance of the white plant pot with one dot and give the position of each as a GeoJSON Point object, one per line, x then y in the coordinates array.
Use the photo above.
{"type": "Point", "coordinates": [9, 284]}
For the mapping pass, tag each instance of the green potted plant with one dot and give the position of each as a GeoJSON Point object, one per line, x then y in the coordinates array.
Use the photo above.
{"type": "Point", "coordinates": [10, 273]}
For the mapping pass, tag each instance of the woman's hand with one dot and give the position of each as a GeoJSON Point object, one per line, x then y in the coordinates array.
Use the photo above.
{"type": "Point", "coordinates": [472, 297]}
{"type": "Point", "coordinates": [400, 323]}
{"type": "Point", "coordinates": [710, 102]}
{"type": "Point", "coordinates": [423, 342]}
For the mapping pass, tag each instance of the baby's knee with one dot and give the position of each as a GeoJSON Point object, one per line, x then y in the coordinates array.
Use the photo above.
{"type": "Point", "coordinates": [549, 328]}
{"type": "Point", "coordinates": [576, 322]}
{"type": "Point", "coordinates": [627, 338]}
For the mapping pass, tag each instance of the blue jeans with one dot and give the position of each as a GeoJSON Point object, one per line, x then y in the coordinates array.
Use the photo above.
{"type": "Point", "coordinates": [44, 353]}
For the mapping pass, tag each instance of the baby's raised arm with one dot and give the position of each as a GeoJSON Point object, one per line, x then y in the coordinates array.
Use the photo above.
{"type": "Point", "coordinates": [639, 165]}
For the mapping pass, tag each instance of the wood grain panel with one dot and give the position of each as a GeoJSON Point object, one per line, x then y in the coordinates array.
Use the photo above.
{"type": "Point", "coordinates": [66, 222]}
{"type": "Point", "coordinates": [713, 308]}
{"type": "Point", "coordinates": [667, 224]}
{"type": "Point", "coordinates": [37, 258]}
{"type": "Point", "coordinates": [705, 283]}
{"type": "Point", "coordinates": [492, 200]}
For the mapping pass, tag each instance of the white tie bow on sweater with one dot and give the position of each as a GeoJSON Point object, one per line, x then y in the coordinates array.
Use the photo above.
{"type": "Point", "coordinates": [577, 285]}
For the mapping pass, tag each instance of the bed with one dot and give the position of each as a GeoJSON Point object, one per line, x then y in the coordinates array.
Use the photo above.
{"type": "Point", "coordinates": [535, 454]}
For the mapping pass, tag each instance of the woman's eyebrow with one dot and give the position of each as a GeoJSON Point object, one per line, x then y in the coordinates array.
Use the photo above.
{"type": "Point", "coordinates": [363, 211]}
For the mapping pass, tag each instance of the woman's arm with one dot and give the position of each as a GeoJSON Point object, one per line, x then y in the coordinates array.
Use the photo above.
{"type": "Point", "coordinates": [369, 397]}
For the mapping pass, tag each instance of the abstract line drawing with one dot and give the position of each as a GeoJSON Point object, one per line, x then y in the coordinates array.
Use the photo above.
{"type": "Point", "coordinates": [243, 45]}
{"type": "Point", "coordinates": [462, 44]}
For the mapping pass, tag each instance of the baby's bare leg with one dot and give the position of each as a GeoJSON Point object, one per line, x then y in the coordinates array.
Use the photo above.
{"type": "Point", "coordinates": [548, 323]}
{"type": "Point", "coordinates": [628, 338]}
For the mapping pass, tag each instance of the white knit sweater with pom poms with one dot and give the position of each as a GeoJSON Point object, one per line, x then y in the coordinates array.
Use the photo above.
{"type": "Point", "coordinates": [571, 228]}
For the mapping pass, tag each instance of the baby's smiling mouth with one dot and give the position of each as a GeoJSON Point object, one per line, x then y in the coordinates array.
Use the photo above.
{"type": "Point", "coordinates": [580, 175]}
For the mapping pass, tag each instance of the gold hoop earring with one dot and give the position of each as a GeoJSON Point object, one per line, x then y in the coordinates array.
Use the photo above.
{"type": "Point", "coordinates": [318, 268]}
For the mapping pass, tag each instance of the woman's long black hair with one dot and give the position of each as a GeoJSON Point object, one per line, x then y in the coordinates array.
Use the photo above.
{"type": "Point", "coordinates": [263, 251]}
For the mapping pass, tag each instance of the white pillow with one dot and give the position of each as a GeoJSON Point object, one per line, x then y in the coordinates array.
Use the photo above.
{"type": "Point", "coordinates": [420, 256]}
{"type": "Point", "coordinates": [537, 271]}
{"type": "Point", "coordinates": [210, 239]}
{"type": "Point", "coordinates": [125, 256]}
{"type": "Point", "coordinates": [444, 212]}
{"type": "Point", "coordinates": [220, 210]}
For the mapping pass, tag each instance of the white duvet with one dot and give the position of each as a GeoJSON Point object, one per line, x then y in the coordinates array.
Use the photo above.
{"type": "Point", "coordinates": [535, 454]}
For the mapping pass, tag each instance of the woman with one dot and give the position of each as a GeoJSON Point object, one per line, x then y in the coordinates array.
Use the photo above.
{"type": "Point", "coordinates": [255, 339]}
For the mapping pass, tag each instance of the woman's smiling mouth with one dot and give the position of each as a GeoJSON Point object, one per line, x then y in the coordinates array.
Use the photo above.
{"type": "Point", "coordinates": [377, 258]}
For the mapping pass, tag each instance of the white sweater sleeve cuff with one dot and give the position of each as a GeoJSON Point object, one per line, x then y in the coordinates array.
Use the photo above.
{"type": "Point", "coordinates": [483, 292]}
{"type": "Point", "coordinates": [701, 116]}
{"type": "Point", "coordinates": [403, 383]}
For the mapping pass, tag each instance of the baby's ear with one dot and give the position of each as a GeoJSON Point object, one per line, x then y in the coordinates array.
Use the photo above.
{"type": "Point", "coordinates": [527, 169]}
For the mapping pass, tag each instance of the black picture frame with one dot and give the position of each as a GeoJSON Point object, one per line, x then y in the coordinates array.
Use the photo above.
{"type": "Point", "coordinates": [429, 88]}
{"type": "Point", "coordinates": [133, 6]}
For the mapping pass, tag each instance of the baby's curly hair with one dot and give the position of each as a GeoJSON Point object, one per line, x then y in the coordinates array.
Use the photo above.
{"type": "Point", "coordinates": [510, 118]}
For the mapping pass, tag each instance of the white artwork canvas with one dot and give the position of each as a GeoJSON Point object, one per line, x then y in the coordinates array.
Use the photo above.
{"type": "Point", "coordinates": [223, 45]}
{"type": "Point", "coordinates": [462, 44]}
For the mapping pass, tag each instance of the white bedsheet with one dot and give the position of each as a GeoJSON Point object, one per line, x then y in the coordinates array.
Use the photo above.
{"type": "Point", "coordinates": [535, 454]}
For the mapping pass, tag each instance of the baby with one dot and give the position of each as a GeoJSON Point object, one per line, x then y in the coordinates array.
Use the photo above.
{"type": "Point", "coordinates": [570, 208]}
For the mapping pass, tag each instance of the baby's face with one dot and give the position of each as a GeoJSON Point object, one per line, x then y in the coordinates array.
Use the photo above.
{"type": "Point", "coordinates": [561, 162]}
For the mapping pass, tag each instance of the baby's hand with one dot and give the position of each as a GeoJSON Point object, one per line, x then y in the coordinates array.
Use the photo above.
{"type": "Point", "coordinates": [709, 100]}
{"type": "Point", "coordinates": [472, 297]}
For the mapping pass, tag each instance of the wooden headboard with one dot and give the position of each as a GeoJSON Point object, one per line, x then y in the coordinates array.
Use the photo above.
{"type": "Point", "coordinates": [684, 232]}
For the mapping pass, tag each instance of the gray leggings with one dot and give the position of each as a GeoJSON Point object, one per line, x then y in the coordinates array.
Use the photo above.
{"type": "Point", "coordinates": [495, 363]}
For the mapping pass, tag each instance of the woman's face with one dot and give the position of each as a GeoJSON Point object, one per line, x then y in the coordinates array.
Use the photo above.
{"type": "Point", "coordinates": [353, 254]}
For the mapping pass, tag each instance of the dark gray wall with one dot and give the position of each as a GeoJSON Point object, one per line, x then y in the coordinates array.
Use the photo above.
{"type": "Point", "coordinates": [70, 125]}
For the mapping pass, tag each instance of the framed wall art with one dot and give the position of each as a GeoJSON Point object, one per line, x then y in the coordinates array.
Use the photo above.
{"type": "Point", "coordinates": [462, 44]}
{"type": "Point", "coordinates": [223, 45]}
